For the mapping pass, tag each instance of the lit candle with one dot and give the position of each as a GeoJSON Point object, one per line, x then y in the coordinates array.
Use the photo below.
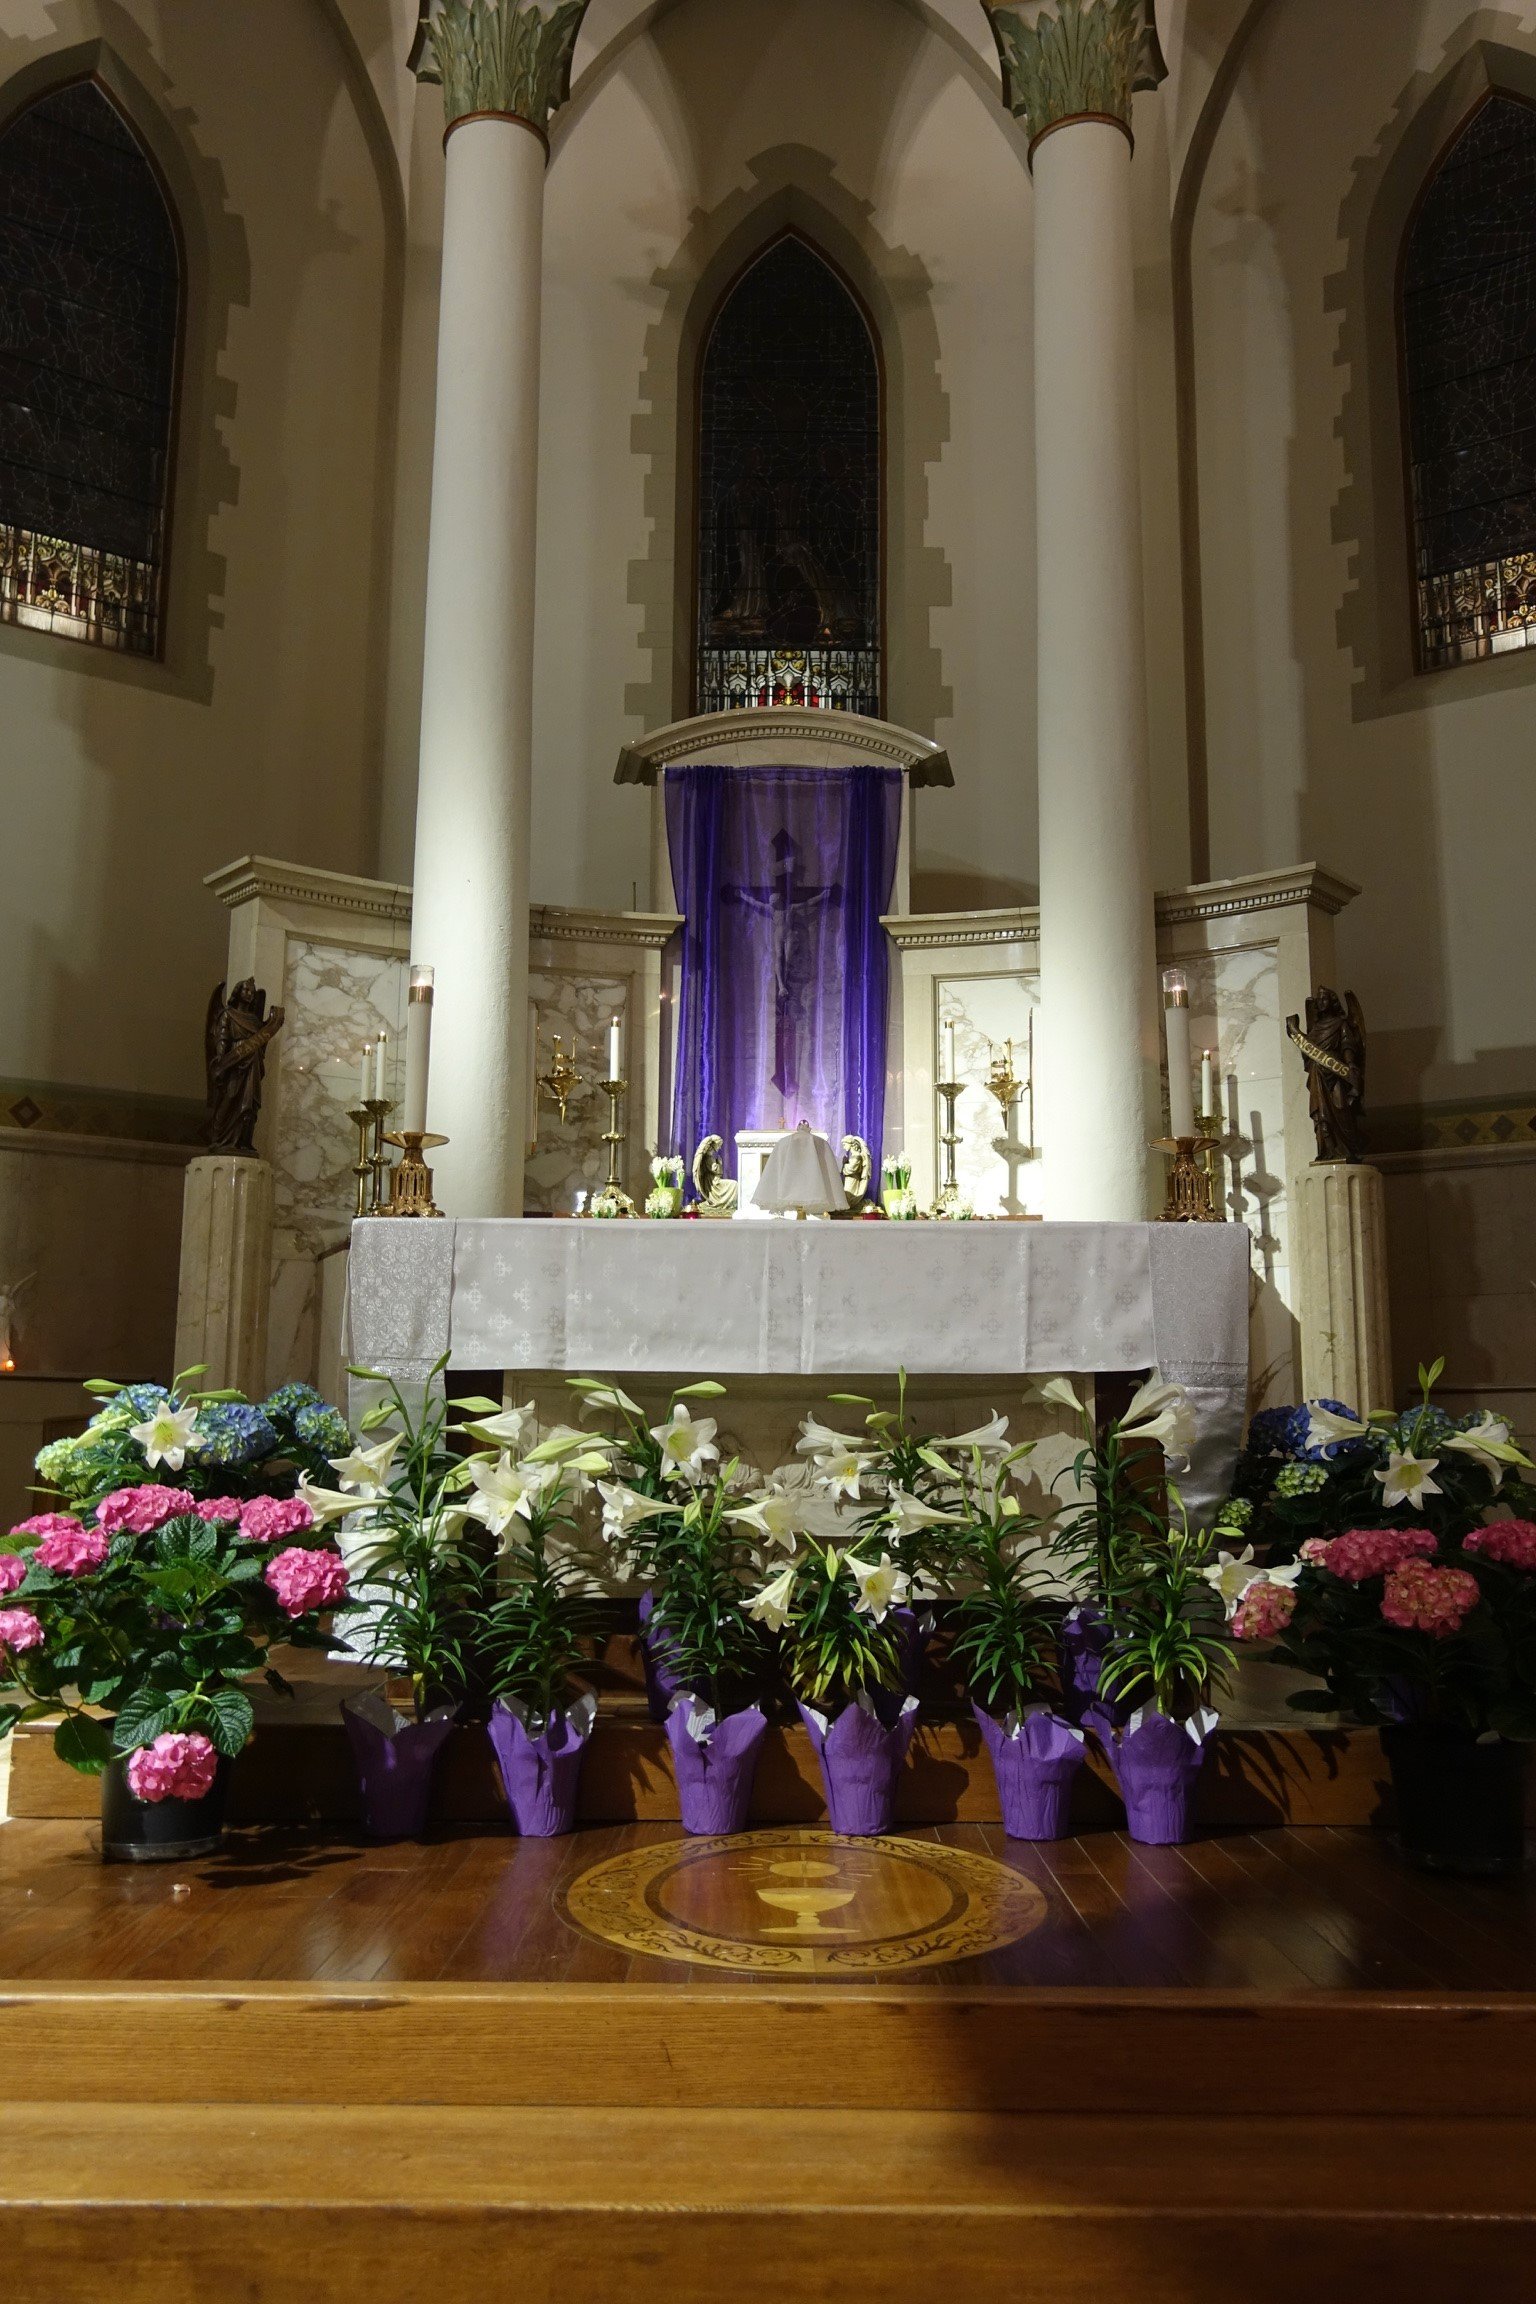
{"type": "Point", "coordinates": [1181, 1101]}
{"type": "Point", "coordinates": [418, 1052]}
{"type": "Point", "coordinates": [380, 1050]}
{"type": "Point", "coordinates": [948, 1073]}
{"type": "Point", "coordinates": [1208, 1084]}
{"type": "Point", "coordinates": [364, 1075]}
{"type": "Point", "coordinates": [615, 1048]}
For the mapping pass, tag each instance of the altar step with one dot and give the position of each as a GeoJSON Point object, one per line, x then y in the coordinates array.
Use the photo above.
{"type": "Point", "coordinates": [444, 2145]}
{"type": "Point", "coordinates": [303, 1772]}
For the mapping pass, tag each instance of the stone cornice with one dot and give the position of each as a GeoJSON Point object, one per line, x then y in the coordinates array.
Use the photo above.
{"type": "Point", "coordinates": [955, 931]}
{"type": "Point", "coordinates": [925, 762]}
{"type": "Point", "coordinates": [562, 924]}
{"type": "Point", "coordinates": [508, 59]}
{"type": "Point", "coordinates": [279, 883]}
{"type": "Point", "coordinates": [1309, 884]}
{"type": "Point", "coordinates": [1082, 61]}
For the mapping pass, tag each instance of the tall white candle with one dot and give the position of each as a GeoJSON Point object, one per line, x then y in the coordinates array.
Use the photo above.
{"type": "Point", "coordinates": [1181, 1086]}
{"type": "Point", "coordinates": [948, 1072]}
{"type": "Point", "coordinates": [381, 1049]}
{"type": "Point", "coordinates": [1207, 1083]}
{"type": "Point", "coordinates": [615, 1048]}
{"type": "Point", "coordinates": [364, 1076]}
{"type": "Point", "coordinates": [418, 1052]}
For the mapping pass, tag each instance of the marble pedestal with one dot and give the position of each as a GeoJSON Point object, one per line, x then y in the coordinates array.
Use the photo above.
{"type": "Point", "coordinates": [1346, 1341]}
{"type": "Point", "coordinates": [226, 1266]}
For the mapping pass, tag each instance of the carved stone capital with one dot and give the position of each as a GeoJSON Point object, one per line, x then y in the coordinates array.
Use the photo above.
{"type": "Point", "coordinates": [507, 57]}
{"type": "Point", "coordinates": [1081, 59]}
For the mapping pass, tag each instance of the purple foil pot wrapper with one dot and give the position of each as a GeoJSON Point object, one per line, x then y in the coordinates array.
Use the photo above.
{"type": "Point", "coordinates": [662, 1684]}
{"type": "Point", "coordinates": [861, 1758]}
{"type": "Point", "coordinates": [542, 1772]}
{"type": "Point", "coordinates": [1036, 1769]}
{"type": "Point", "coordinates": [1157, 1764]}
{"type": "Point", "coordinates": [913, 1628]}
{"type": "Point", "coordinates": [714, 1761]}
{"type": "Point", "coordinates": [1084, 1643]}
{"type": "Point", "coordinates": [395, 1757]}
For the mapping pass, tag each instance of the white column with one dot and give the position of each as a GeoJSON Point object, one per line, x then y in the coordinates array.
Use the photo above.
{"type": "Point", "coordinates": [224, 1293]}
{"type": "Point", "coordinates": [1098, 971]}
{"type": "Point", "coordinates": [1346, 1333]}
{"type": "Point", "coordinates": [470, 910]}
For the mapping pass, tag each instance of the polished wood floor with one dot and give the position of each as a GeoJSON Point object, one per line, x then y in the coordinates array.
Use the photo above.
{"type": "Point", "coordinates": [1278, 1911]}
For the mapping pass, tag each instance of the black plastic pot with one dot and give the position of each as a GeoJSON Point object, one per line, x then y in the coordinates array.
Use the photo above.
{"type": "Point", "coordinates": [1460, 1800]}
{"type": "Point", "coordinates": [158, 1831]}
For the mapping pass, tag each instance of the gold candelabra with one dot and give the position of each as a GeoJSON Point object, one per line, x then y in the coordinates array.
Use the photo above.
{"type": "Point", "coordinates": [562, 1080]}
{"type": "Point", "coordinates": [410, 1184]}
{"type": "Point", "coordinates": [951, 1202]}
{"type": "Point", "coordinates": [613, 1200]}
{"type": "Point", "coordinates": [369, 1167]}
{"type": "Point", "coordinates": [1191, 1194]}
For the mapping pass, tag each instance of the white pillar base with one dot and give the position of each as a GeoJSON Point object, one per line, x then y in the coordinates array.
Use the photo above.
{"type": "Point", "coordinates": [226, 1273]}
{"type": "Point", "coordinates": [1346, 1336]}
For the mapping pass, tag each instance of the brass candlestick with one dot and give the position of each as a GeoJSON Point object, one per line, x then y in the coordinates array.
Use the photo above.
{"type": "Point", "coordinates": [378, 1109]}
{"type": "Point", "coordinates": [613, 1200]}
{"type": "Point", "coordinates": [951, 1203]}
{"type": "Point", "coordinates": [362, 1167]}
{"type": "Point", "coordinates": [562, 1080]}
{"type": "Point", "coordinates": [410, 1186]}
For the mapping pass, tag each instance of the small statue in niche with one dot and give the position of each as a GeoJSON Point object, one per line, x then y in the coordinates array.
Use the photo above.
{"type": "Point", "coordinates": [1333, 1048]}
{"type": "Point", "coordinates": [236, 1038]}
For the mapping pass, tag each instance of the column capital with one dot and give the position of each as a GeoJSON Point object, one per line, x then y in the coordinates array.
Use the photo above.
{"type": "Point", "coordinates": [503, 57]}
{"type": "Point", "coordinates": [1078, 60]}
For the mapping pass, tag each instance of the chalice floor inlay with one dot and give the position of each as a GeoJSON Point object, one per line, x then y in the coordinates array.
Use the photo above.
{"type": "Point", "coordinates": [804, 1903]}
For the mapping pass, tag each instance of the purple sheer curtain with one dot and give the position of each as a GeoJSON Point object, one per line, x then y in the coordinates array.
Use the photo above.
{"type": "Point", "coordinates": [782, 875]}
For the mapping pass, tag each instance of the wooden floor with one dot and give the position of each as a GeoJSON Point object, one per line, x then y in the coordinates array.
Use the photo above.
{"type": "Point", "coordinates": [1273, 1912]}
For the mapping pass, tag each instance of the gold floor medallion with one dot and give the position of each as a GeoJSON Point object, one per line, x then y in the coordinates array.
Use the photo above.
{"type": "Point", "coordinates": [804, 1903]}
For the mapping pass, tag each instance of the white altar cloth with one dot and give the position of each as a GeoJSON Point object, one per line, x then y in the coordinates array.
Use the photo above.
{"type": "Point", "coordinates": [790, 1299]}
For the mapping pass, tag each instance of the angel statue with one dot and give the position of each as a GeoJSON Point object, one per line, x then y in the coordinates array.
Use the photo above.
{"type": "Point", "coordinates": [236, 1038]}
{"type": "Point", "coordinates": [1333, 1047]}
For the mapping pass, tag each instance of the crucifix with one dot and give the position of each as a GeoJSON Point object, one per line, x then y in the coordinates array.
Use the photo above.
{"type": "Point", "coordinates": [789, 904]}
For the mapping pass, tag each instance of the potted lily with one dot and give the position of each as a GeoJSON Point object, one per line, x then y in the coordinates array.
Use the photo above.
{"type": "Point", "coordinates": [397, 1504]}
{"type": "Point", "coordinates": [1419, 1618]}
{"type": "Point", "coordinates": [540, 1625]}
{"type": "Point", "coordinates": [139, 1615]}
{"type": "Point", "coordinates": [212, 1444]}
{"type": "Point", "coordinates": [1006, 1642]}
{"type": "Point", "coordinates": [705, 1558]}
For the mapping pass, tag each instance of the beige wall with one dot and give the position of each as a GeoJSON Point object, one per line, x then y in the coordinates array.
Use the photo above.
{"type": "Point", "coordinates": [125, 782]}
{"type": "Point", "coordinates": [1322, 740]}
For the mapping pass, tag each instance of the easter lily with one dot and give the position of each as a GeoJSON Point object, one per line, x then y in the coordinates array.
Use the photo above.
{"type": "Point", "coordinates": [505, 1490]}
{"type": "Point", "coordinates": [1489, 1443]}
{"type": "Point", "coordinates": [508, 1430]}
{"type": "Point", "coordinates": [1406, 1479]}
{"type": "Point", "coordinates": [1325, 1429]}
{"type": "Point", "coordinates": [772, 1605]}
{"type": "Point", "coordinates": [166, 1436]}
{"type": "Point", "coordinates": [364, 1470]}
{"type": "Point", "coordinates": [687, 1443]}
{"type": "Point", "coordinates": [840, 1472]}
{"type": "Point", "coordinates": [773, 1515]}
{"type": "Point", "coordinates": [881, 1586]}
{"type": "Point", "coordinates": [1161, 1412]}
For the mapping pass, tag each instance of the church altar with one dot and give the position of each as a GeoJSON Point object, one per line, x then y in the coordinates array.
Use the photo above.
{"type": "Point", "coordinates": [834, 1300]}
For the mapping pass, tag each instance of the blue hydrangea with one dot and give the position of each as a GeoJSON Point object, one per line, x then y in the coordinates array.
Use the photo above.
{"type": "Point", "coordinates": [1298, 1479]}
{"type": "Point", "coordinates": [288, 1402]}
{"type": "Point", "coordinates": [231, 1434]}
{"type": "Point", "coordinates": [1423, 1430]}
{"type": "Point", "coordinates": [1286, 1432]}
{"type": "Point", "coordinates": [324, 1429]}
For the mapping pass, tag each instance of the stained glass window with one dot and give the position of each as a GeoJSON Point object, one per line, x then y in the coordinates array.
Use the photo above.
{"type": "Point", "coordinates": [789, 493]}
{"type": "Point", "coordinates": [1469, 351]}
{"type": "Point", "coordinates": [90, 292]}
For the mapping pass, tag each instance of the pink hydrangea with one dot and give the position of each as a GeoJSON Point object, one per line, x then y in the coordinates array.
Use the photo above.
{"type": "Point", "coordinates": [19, 1630]}
{"type": "Point", "coordinates": [141, 1510]}
{"type": "Point", "coordinates": [304, 1580]}
{"type": "Point", "coordinates": [1264, 1610]}
{"type": "Point", "coordinates": [46, 1524]}
{"type": "Point", "coordinates": [71, 1549]}
{"type": "Point", "coordinates": [174, 1767]}
{"type": "Point", "coordinates": [1364, 1552]}
{"type": "Point", "coordinates": [1419, 1598]}
{"type": "Point", "coordinates": [13, 1571]}
{"type": "Point", "coordinates": [1511, 1542]}
{"type": "Point", "coordinates": [1314, 1551]}
{"type": "Point", "coordinates": [218, 1508]}
{"type": "Point", "coordinates": [264, 1519]}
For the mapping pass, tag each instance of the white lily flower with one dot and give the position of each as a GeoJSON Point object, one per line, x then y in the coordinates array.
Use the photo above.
{"type": "Point", "coordinates": [774, 1516]}
{"type": "Point", "coordinates": [364, 1470]}
{"type": "Point", "coordinates": [599, 1395]}
{"type": "Point", "coordinates": [687, 1443]}
{"type": "Point", "coordinates": [1491, 1444]}
{"type": "Point", "coordinates": [511, 1429]}
{"type": "Point", "coordinates": [624, 1508]}
{"type": "Point", "coordinates": [993, 1435]}
{"type": "Point", "coordinates": [1161, 1412]}
{"type": "Point", "coordinates": [772, 1605]}
{"type": "Point", "coordinates": [1058, 1393]}
{"type": "Point", "coordinates": [1325, 1429]}
{"type": "Point", "coordinates": [1230, 1574]}
{"type": "Point", "coordinates": [840, 1473]}
{"type": "Point", "coordinates": [1406, 1479]}
{"type": "Point", "coordinates": [907, 1514]}
{"type": "Point", "coordinates": [326, 1503]}
{"type": "Point", "coordinates": [882, 1586]}
{"type": "Point", "coordinates": [166, 1436]}
{"type": "Point", "coordinates": [505, 1490]}
{"type": "Point", "coordinates": [820, 1440]}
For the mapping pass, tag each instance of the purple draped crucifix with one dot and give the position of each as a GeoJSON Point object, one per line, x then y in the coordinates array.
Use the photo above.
{"type": "Point", "coordinates": [782, 875]}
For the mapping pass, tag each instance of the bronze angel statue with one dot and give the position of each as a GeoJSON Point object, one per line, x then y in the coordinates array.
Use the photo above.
{"type": "Point", "coordinates": [236, 1038]}
{"type": "Point", "coordinates": [1333, 1048]}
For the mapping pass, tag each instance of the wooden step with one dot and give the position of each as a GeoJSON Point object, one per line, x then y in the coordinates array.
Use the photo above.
{"type": "Point", "coordinates": [180, 2204]}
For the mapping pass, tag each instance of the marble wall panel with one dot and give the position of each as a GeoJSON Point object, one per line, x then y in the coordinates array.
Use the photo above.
{"type": "Point", "coordinates": [569, 1155]}
{"type": "Point", "coordinates": [997, 1169]}
{"type": "Point", "coordinates": [1234, 1001]}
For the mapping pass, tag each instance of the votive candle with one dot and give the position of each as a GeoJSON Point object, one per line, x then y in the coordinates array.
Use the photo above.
{"type": "Point", "coordinates": [365, 1074]}
{"type": "Point", "coordinates": [615, 1048]}
{"type": "Point", "coordinates": [948, 1073]}
{"type": "Point", "coordinates": [381, 1049]}
{"type": "Point", "coordinates": [1208, 1084]}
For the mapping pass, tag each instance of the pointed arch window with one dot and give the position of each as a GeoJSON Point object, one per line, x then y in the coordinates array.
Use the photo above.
{"type": "Point", "coordinates": [90, 306]}
{"type": "Point", "coordinates": [788, 607]}
{"type": "Point", "coordinates": [1469, 385]}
